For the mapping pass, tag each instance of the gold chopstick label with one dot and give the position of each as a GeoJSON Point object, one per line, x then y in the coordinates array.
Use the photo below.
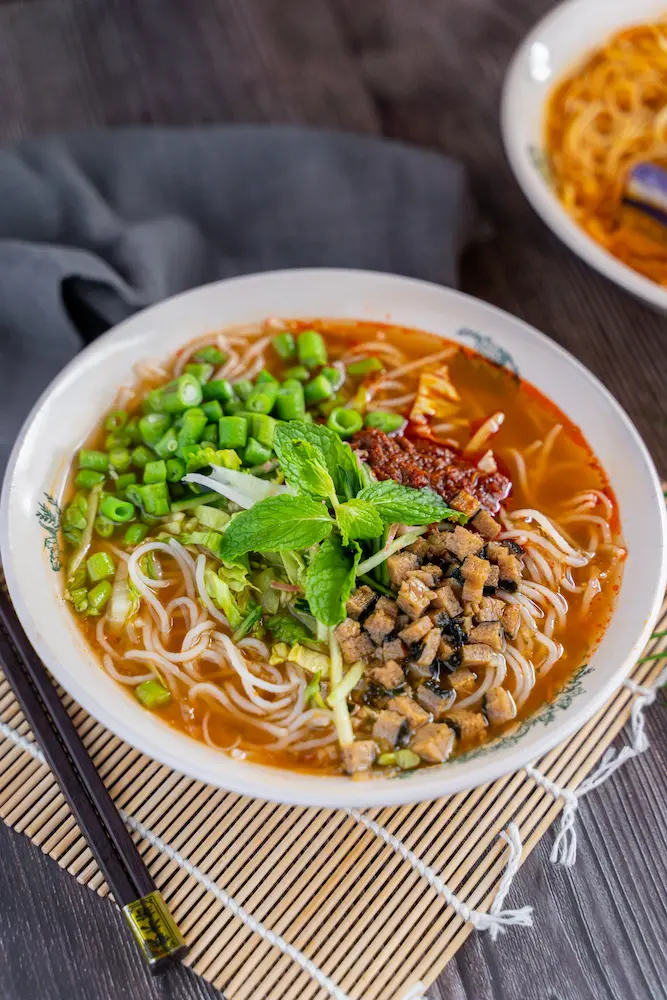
{"type": "Point", "coordinates": [154, 928]}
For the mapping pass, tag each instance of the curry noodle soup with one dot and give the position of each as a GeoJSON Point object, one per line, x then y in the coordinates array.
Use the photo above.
{"type": "Point", "coordinates": [336, 546]}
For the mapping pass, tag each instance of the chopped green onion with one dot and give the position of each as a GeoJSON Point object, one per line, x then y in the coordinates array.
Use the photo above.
{"type": "Point", "coordinates": [194, 501]}
{"type": "Point", "coordinates": [299, 372]}
{"type": "Point", "coordinates": [155, 498]}
{"type": "Point", "coordinates": [132, 430]}
{"type": "Point", "coordinates": [212, 409]}
{"type": "Point", "coordinates": [202, 371]}
{"type": "Point", "coordinates": [98, 461]}
{"type": "Point", "coordinates": [120, 459]}
{"type": "Point", "coordinates": [116, 509]}
{"type": "Point", "coordinates": [211, 355]}
{"type": "Point", "coordinates": [192, 428]}
{"type": "Point", "coordinates": [117, 439]}
{"type": "Point", "coordinates": [135, 534]}
{"type": "Point", "coordinates": [345, 422]}
{"type": "Point", "coordinates": [365, 367]}
{"type": "Point", "coordinates": [155, 472]}
{"type": "Point", "coordinates": [234, 407]}
{"type": "Point", "coordinates": [248, 623]}
{"type": "Point", "coordinates": [175, 470]}
{"type": "Point", "coordinates": [262, 428]}
{"type": "Point", "coordinates": [152, 694]}
{"type": "Point", "coordinates": [374, 585]}
{"type": "Point", "coordinates": [127, 479]}
{"type": "Point", "coordinates": [100, 566]}
{"type": "Point", "coordinates": [255, 453]}
{"type": "Point", "coordinates": [99, 595]}
{"type": "Point", "coordinates": [318, 390]}
{"type": "Point", "coordinates": [262, 399]}
{"type": "Point", "coordinates": [232, 432]}
{"type": "Point", "coordinates": [141, 455]}
{"type": "Point", "coordinates": [87, 478]}
{"type": "Point", "coordinates": [264, 377]}
{"type": "Point", "coordinates": [243, 388]}
{"type": "Point", "coordinates": [334, 376]}
{"type": "Point", "coordinates": [312, 349]}
{"type": "Point", "coordinates": [79, 598]}
{"type": "Point", "coordinates": [103, 526]}
{"type": "Point", "coordinates": [283, 344]}
{"type": "Point", "coordinates": [177, 396]}
{"type": "Point", "coordinates": [385, 421]}
{"type": "Point", "coordinates": [152, 426]}
{"type": "Point", "coordinates": [290, 402]}
{"type": "Point", "coordinates": [210, 434]}
{"type": "Point", "coordinates": [168, 444]}
{"type": "Point", "coordinates": [116, 420]}
{"type": "Point", "coordinates": [218, 389]}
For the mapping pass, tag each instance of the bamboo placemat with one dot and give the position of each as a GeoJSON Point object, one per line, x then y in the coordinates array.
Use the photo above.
{"type": "Point", "coordinates": [317, 877]}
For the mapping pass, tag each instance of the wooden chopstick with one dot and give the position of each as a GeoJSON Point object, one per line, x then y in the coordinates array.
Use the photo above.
{"type": "Point", "coordinates": [129, 880]}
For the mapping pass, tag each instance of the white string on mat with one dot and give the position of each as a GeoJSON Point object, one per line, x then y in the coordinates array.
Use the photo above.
{"type": "Point", "coordinates": [497, 919]}
{"type": "Point", "coordinates": [493, 921]}
{"type": "Point", "coordinates": [564, 850]}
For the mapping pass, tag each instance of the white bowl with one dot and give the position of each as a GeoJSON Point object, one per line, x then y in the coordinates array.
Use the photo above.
{"type": "Point", "coordinates": [554, 46]}
{"type": "Point", "coordinates": [80, 394]}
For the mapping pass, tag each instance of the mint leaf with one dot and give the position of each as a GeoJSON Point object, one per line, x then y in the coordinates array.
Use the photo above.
{"type": "Point", "coordinates": [274, 524]}
{"type": "Point", "coordinates": [304, 469]}
{"type": "Point", "coordinates": [358, 519]}
{"type": "Point", "coordinates": [331, 576]}
{"type": "Point", "coordinates": [338, 458]}
{"type": "Point", "coordinates": [285, 628]}
{"type": "Point", "coordinates": [404, 505]}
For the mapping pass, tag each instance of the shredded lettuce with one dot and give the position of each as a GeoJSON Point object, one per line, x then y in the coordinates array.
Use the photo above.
{"type": "Point", "coordinates": [286, 628]}
{"type": "Point", "coordinates": [124, 601]}
{"type": "Point", "coordinates": [240, 487]}
{"type": "Point", "coordinates": [309, 659]}
{"type": "Point", "coordinates": [269, 598]}
{"type": "Point", "coordinates": [210, 540]}
{"type": "Point", "coordinates": [230, 589]}
{"type": "Point", "coordinates": [340, 691]}
{"type": "Point", "coordinates": [313, 692]}
{"type": "Point", "coordinates": [211, 517]}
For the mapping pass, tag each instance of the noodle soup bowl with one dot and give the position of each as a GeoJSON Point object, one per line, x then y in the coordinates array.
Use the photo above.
{"type": "Point", "coordinates": [86, 389]}
{"type": "Point", "coordinates": [555, 46]}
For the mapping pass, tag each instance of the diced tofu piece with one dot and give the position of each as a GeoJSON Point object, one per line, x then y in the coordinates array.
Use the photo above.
{"type": "Point", "coordinates": [359, 601]}
{"type": "Point", "coordinates": [489, 609]}
{"type": "Point", "coordinates": [466, 503]}
{"type": "Point", "coordinates": [461, 542]}
{"type": "Point", "coordinates": [390, 675]}
{"type": "Point", "coordinates": [509, 569]}
{"type": "Point", "coordinates": [475, 572]}
{"type": "Point", "coordinates": [469, 726]}
{"type": "Point", "coordinates": [358, 756]}
{"type": "Point", "coordinates": [430, 574]}
{"type": "Point", "coordinates": [437, 544]}
{"type": "Point", "coordinates": [354, 643]}
{"type": "Point", "coordinates": [463, 681]}
{"type": "Point", "coordinates": [414, 597]}
{"type": "Point", "coordinates": [440, 619]}
{"type": "Point", "coordinates": [416, 630]}
{"type": "Point", "coordinates": [399, 565]}
{"type": "Point", "coordinates": [363, 717]}
{"type": "Point", "coordinates": [476, 654]}
{"type": "Point", "coordinates": [409, 709]}
{"type": "Point", "coordinates": [446, 599]}
{"type": "Point", "coordinates": [486, 524]}
{"type": "Point", "coordinates": [394, 649]}
{"type": "Point", "coordinates": [390, 729]}
{"type": "Point", "coordinates": [492, 580]}
{"type": "Point", "coordinates": [466, 624]}
{"type": "Point", "coordinates": [490, 633]}
{"type": "Point", "coordinates": [446, 650]}
{"type": "Point", "coordinates": [419, 547]}
{"type": "Point", "coordinates": [435, 700]}
{"type": "Point", "coordinates": [511, 620]}
{"type": "Point", "coordinates": [429, 648]}
{"type": "Point", "coordinates": [499, 706]}
{"type": "Point", "coordinates": [433, 743]}
{"type": "Point", "coordinates": [380, 623]}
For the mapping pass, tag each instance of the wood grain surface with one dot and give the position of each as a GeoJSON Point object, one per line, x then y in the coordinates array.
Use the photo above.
{"type": "Point", "coordinates": [429, 72]}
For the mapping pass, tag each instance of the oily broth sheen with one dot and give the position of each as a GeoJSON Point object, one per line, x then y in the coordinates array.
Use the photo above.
{"type": "Point", "coordinates": [484, 388]}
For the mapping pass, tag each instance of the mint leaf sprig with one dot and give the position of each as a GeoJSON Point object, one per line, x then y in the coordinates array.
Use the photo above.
{"type": "Point", "coordinates": [332, 508]}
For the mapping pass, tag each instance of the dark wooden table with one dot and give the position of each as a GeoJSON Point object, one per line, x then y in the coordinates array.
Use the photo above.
{"type": "Point", "coordinates": [430, 72]}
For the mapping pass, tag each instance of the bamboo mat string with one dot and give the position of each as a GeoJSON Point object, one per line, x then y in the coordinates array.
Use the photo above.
{"type": "Point", "coordinates": [564, 850]}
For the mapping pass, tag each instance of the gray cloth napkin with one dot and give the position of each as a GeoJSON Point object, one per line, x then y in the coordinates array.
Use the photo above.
{"type": "Point", "coordinates": [96, 226]}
